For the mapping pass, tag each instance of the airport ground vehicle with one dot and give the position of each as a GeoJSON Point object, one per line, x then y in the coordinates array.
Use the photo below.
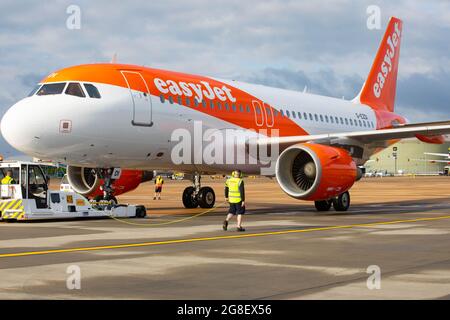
{"type": "Point", "coordinates": [29, 198]}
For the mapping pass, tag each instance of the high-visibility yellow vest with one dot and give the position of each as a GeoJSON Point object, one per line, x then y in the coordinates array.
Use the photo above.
{"type": "Point", "coordinates": [159, 182]}
{"type": "Point", "coordinates": [7, 180]}
{"type": "Point", "coordinates": [234, 195]}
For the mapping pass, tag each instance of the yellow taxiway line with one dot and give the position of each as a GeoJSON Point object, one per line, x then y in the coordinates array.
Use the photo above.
{"type": "Point", "coordinates": [239, 236]}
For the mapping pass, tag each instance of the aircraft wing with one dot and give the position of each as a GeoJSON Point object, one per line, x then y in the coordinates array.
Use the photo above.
{"type": "Point", "coordinates": [437, 154]}
{"type": "Point", "coordinates": [429, 129]}
{"type": "Point", "coordinates": [431, 161]}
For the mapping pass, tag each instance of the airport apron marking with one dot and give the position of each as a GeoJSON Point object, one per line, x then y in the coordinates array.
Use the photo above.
{"type": "Point", "coordinates": [250, 235]}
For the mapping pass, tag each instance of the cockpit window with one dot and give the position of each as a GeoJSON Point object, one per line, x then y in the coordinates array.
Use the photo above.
{"type": "Point", "coordinates": [74, 89]}
{"type": "Point", "coordinates": [92, 91]}
{"type": "Point", "coordinates": [36, 88]}
{"type": "Point", "coordinates": [51, 88]}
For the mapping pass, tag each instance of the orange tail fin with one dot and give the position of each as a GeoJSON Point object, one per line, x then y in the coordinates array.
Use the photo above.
{"type": "Point", "coordinates": [379, 89]}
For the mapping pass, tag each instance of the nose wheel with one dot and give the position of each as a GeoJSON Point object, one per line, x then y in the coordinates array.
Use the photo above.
{"type": "Point", "coordinates": [341, 203]}
{"type": "Point", "coordinates": [196, 195]}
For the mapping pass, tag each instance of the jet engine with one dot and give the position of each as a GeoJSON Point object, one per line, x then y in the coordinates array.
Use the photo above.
{"type": "Point", "coordinates": [316, 172]}
{"type": "Point", "coordinates": [87, 182]}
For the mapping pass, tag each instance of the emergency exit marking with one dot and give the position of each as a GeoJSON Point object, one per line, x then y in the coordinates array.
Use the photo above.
{"type": "Point", "coordinates": [65, 126]}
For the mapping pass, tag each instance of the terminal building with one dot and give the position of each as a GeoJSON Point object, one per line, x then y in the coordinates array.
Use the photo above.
{"type": "Point", "coordinates": [408, 157]}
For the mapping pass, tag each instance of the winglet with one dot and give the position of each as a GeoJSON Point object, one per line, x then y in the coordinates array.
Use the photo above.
{"type": "Point", "coordinates": [378, 91]}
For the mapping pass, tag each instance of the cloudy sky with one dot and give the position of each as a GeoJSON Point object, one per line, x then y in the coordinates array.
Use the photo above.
{"type": "Point", "coordinates": [324, 45]}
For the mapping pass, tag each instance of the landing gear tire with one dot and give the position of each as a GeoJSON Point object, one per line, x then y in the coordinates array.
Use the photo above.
{"type": "Point", "coordinates": [141, 212]}
{"type": "Point", "coordinates": [206, 197]}
{"type": "Point", "coordinates": [342, 202]}
{"type": "Point", "coordinates": [323, 205]}
{"type": "Point", "coordinates": [189, 199]}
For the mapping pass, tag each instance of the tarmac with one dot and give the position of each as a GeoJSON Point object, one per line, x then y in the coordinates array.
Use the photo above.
{"type": "Point", "coordinates": [398, 228]}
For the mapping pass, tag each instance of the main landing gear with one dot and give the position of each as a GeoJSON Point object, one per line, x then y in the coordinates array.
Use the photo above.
{"type": "Point", "coordinates": [196, 195]}
{"type": "Point", "coordinates": [341, 203]}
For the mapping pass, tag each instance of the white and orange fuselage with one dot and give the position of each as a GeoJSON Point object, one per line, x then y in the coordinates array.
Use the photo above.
{"type": "Point", "coordinates": [131, 124]}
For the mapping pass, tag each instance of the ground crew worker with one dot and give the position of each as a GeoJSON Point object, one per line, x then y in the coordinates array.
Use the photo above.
{"type": "Point", "coordinates": [235, 195]}
{"type": "Point", "coordinates": [8, 179]}
{"type": "Point", "coordinates": [159, 181]}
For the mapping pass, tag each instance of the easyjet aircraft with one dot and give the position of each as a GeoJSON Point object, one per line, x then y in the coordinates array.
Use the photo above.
{"type": "Point", "coordinates": [123, 116]}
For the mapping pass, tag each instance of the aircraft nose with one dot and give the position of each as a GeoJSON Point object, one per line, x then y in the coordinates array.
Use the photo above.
{"type": "Point", "coordinates": [18, 128]}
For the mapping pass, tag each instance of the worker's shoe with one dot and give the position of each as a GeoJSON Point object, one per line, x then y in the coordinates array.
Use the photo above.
{"type": "Point", "coordinates": [240, 229]}
{"type": "Point", "coordinates": [225, 225]}
{"type": "Point", "coordinates": [154, 198]}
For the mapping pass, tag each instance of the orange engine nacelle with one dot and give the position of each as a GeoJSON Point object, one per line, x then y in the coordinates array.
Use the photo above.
{"type": "Point", "coordinates": [86, 182]}
{"type": "Point", "coordinates": [315, 172]}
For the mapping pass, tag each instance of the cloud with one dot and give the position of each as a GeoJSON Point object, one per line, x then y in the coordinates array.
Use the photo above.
{"type": "Point", "coordinates": [286, 43]}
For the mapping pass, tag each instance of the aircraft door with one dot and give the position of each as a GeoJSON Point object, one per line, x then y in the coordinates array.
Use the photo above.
{"type": "Point", "coordinates": [140, 96]}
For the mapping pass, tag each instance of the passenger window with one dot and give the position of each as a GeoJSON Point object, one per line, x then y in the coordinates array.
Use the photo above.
{"type": "Point", "coordinates": [74, 89]}
{"type": "Point", "coordinates": [293, 114]}
{"type": "Point", "coordinates": [241, 108]}
{"type": "Point", "coordinates": [321, 118]}
{"type": "Point", "coordinates": [92, 91]}
{"type": "Point", "coordinates": [275, 112]}
{"type": "Point", "coordinates": [234, 107]}
{"type": "Point", "coordinates": [305, 116]}
{"type": "Point", "coordinates": [316, 117]}
{"type": "Point", "coordinates": [180, 101]}
{"type": "Point", "coordinates": [248, 109]}
{"type": "Point", "coordinates": [351, 122]}
{"type": "Point", "coordinates": [299, 115]}
{"type": "Point", "coordinates": [219, 105]}
{"type": "Point", "coordinates": [51, 88]}
{"type": "Point", "coordinates": [288, 114]}
{"type": "Point", "coordinates": [211, 104]}
{"type": "Point", "coordinates": [161, 97]}
{"type": "Point", "coordinates": [188, 102]}
{"type": "Point", "coordinates": [227, 107]}
{"type": "Point", "coordinates": [346, 121]}
{"type": "Point", "coordinates": [326, 119]}
{"type": "Point", "coordinates": [310, 117]}
{"type": "Point", "coordinates": [36, 88]}
{"type": "Point", "coordinates": [342, 120]}
{"type": "Point", "coordinates": [204, 103]}
{"type": "Point", "coordinates": [282, 113]}
{"type": "Point", "coordinates": [360, 123]}
{"type": "Point", "coordinates": [195, 102]}
{"type": "Point", "coordinates": [170, 99]}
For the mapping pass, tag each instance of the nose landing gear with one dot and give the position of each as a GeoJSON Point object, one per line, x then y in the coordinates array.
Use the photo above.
{"type": "Point", "coordinates": [196, 195]}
